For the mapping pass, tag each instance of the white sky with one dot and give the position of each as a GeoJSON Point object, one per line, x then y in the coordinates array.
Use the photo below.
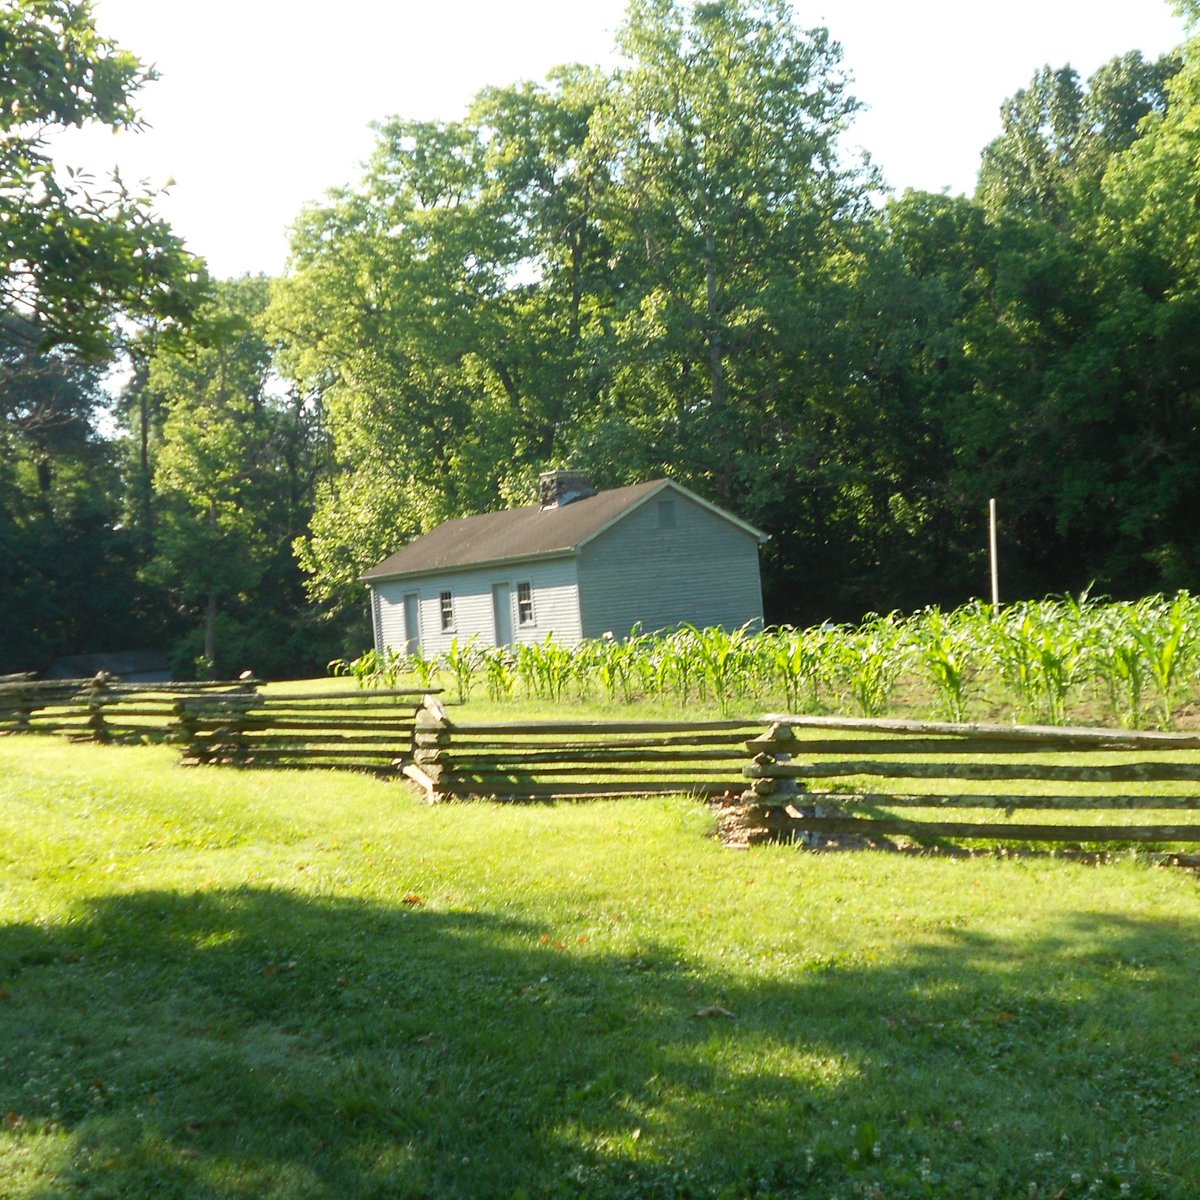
{"type": "Point", "coordinates": [263, 105]}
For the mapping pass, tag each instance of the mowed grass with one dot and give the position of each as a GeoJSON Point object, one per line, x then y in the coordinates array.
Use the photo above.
{"type": "Point", "coordinates": [242, 984]}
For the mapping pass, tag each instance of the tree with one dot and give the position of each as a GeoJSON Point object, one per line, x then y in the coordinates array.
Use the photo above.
{"type": "Point", "coordinates": [233, 479]}
{"type": "Point", "coordinates": [731, 207]}
{"type": "Point", "coordinates": [74, 254]}
{"type": "Point", "coordinates": [626, 272]}
{"type": "Point", "coordinates": [1059, 136]}
{"type": "Point", "coordinates": [1150, 235]}
{"type": "Point", "coordinates": [440, 311]}
{"type": "Point", "coordinates": [1058, 366]}
{"type": "Point", "coordinates": [68, 579]}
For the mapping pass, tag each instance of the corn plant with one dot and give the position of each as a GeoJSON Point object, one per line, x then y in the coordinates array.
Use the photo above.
{"type": "Point", "coordinates": [498, 672]}
{"type": "Point", "coordinates": [871, 659]}
{"type": "Point", "coordinates": [657, 663]}
{"type": "Point", "coordinates": [1119, 664]}
{"type": "Point", "coordinates": [464, 661]}
{"type": "Point", "coordinates": [942, 647]}
{"type": "Point", "coordinates": [612, 663]}
{"type": "Point", "coordinates": [425, 669]}
{"type": "Point", "coordinates": [1041, 656]}
{"type": "Point", "coordinates": [719, 655]}
{"type": "Point", "coordinates": [795, 663]}
{"type": "Point", "coordinates": [1041, 651]}
{"type": "Point", "coordinates": [371, 669]}
{"type": "Point", "coordinates": [1169, 644]}
{"type": "Point", "coordinates": [685, 669]}
{"type": "Point", "coordinates": [545, 668]}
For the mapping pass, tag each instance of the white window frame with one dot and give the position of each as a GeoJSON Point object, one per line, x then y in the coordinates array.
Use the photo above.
{"type": "Point", "coordinates": [525, 605]}
{"type": "Point", "coordinates": [446, 610]}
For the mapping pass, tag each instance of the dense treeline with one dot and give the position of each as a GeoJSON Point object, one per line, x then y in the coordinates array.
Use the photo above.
{"type": "Point", "coordinates": [670, 269]}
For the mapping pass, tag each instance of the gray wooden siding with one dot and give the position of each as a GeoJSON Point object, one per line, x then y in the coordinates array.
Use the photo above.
{"type": "Point", "coordinates": [555, 605]}
{"type": "Point", "coordinates": [388, 605]}
{"type": "Point", "coordinates": [704, 571]}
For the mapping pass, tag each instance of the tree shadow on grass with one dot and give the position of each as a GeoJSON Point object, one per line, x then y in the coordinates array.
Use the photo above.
{"type": "Point", "coordinates": [259, 1043]}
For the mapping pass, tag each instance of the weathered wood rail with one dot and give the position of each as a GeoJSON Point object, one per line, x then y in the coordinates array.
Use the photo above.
{"type": "Point", "coordinates": [810, 779]}
{"type": "Point", "coordinates": [224, 722]}
{"type": "Point", "coordinates": [578, 760]}
{"type": "Point", "coordinates": [365, 730]}
{"type": "Point", "coordinates": [100, 709]}
{"type": "Point", "coordinates": [816, 778]}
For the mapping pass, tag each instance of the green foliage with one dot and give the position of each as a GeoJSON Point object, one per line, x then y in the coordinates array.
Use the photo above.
{"type": "Point", "coordinates": [1038, 659]}
{"type": "Point", "coordinates": [869, 660]}
{"type": "Point", "coordinates": [1170, 646]}
{"type": "Point", "coordinates": [231, 489]}
{"type": "Point", "coordinates": [464, 661]}
{"type": "Point", "coordinates": [666, 268]}
{"type": "Point", "coordinates": [82, 264]}
{"type": "Point", "coordinates": [672, 270]}
{"type": "Point", "coordinates": [609, 272]}
{"type": "Point", "coordinates": [1059, 136]}
{"type": "Point", "coordinates": [76, 255]}
{"type": "Point", "coordinates": [945, 653]}
{"type": "Point", "coordinates": [68, 569]}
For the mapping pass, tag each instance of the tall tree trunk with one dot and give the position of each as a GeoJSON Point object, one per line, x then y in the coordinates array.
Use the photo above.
{"type": "Point", "coordinates": [722, 467]}
{"type": "Point", "coordinates": [145, 479]}
{"type": "Point", "coordinates": [577, 272]}
{"type": "Point", "coordinates": [210, 637]}
{"type": "Point", "coordinates": [716, 346]}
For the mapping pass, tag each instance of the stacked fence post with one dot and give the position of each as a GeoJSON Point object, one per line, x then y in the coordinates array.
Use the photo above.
{"type": "Point", "coordinates": [431, 750]}
{"type": "Point", "coordinates": [767, 798]}
{"type": "Point", "coordinates": [213, 728]}
{"type": "Point", "coordinates": [236, 708]}
{"type": "Point", "coordinates": [96, 696]}
{"type": "Point", "coordinates": [187, 726]}
{"type": "Point", "coordinates": [17, 706]}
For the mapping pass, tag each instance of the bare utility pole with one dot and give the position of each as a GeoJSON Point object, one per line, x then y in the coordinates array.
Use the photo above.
{"type": "Point", "coordinates": [995, 565]}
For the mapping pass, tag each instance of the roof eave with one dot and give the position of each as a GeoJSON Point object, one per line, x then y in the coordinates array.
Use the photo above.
{"type": "Point", "coordinates": [480, 565]}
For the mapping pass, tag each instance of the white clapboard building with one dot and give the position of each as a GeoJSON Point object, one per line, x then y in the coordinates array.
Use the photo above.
{"type": "Point", "coordinates": [579, 565]}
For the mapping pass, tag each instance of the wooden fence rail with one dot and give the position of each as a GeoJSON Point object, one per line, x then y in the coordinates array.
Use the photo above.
{"type": "Point", "coordinates": [549, 760]}
{"type": "Point", "coordinates": [99, 709]}
{"type": "Point", "coordinates": [804, 771]}
{"type": "Point", "coordinates": [223, 722]}
{"type": "Point", "coordinates": [806, 778]}
{"type": "Point", "coordinates": [366, 730]}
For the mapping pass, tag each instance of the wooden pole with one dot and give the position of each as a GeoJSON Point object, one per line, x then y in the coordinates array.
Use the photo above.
{"type": "Point", "coordinates": [992, 541]}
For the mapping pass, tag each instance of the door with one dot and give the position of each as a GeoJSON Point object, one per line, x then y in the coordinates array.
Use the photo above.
{"type": "Point", "coordinates": [412, 623]}
{"type": "Point", "coordinates": [502, 614]}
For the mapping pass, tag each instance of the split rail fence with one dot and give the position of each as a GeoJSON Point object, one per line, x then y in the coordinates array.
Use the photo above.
{"type": "Point", "coordinates": [551, 760]}
{"type": "Point", "coordinates": [805, 778]}
{"type": "Point", "coordinates": [100, 709]}
{"type": "Point", "coordinates": [817, 778]}
{"type": "Point", "coordinates": [226, 722]}
{"type": "Point", "coordinates": [363, 731]}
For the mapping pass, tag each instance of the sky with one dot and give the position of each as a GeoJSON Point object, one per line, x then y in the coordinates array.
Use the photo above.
{"type": "Point", "coordinates": [262, 106]}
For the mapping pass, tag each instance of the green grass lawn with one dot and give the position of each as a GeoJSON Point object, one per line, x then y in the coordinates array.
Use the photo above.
{"type": "Point", "coordinates": [246, 984]}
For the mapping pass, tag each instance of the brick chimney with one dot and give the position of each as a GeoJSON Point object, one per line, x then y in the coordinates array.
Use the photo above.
{"type": "Point", "coordinates": [558, 488]}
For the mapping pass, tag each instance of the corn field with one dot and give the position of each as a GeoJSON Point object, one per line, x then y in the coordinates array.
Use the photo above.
{"type": "Point", "coordinates": [1049, 661]}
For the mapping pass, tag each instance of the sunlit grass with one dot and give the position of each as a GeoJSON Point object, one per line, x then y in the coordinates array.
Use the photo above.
{"type": "Point", "coordinates": [228, 984]}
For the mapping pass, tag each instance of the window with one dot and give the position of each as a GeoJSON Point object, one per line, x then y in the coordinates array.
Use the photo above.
{"type": "Point", "coordinates": [524, 604]}
{"type": "Point", "coordinates": [666, 514]}
{"type": "Point", "coordinates": [447, 605]}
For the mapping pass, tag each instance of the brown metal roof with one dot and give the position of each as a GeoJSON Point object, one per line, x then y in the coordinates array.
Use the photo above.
{"type": "Point", "coordinates": [516, 533]}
